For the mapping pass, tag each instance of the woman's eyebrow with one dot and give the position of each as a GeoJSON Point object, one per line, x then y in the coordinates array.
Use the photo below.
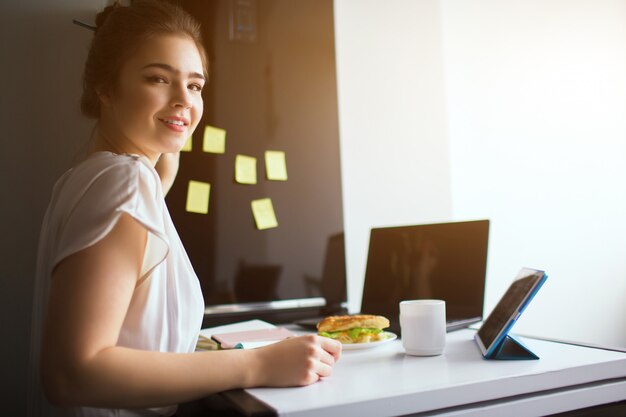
{"type": "Point", "coordinates": [170, 68]}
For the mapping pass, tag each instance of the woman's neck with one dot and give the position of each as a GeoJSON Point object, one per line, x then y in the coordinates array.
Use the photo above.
{"type": "Point", "coordinates": [104, 142]}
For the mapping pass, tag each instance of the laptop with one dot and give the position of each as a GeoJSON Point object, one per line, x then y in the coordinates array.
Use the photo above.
{"type": "Point", "coordinates": [446, 261]}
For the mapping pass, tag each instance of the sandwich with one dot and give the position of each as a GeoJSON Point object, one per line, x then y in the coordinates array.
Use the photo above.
{"type": "Point", "coordinates": [354, 329]}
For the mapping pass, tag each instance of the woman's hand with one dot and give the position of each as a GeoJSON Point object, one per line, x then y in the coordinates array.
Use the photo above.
{"type": "Point", "coordinates": [296, 362]}
{"type": "Point", "coordinates": [167, 168]}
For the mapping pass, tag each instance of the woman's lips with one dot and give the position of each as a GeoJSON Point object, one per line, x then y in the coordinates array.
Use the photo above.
{"type": "Point", "coordinates": [177, 124]}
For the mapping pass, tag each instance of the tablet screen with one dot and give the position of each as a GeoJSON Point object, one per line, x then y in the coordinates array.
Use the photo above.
{"type": "Point", "coordinates": [507, 307]}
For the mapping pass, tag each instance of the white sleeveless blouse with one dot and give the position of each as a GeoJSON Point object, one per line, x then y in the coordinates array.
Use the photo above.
{"type": "Point", "coordinates": [165, 313]}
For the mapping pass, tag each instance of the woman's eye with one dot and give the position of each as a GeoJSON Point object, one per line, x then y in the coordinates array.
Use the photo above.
{"type": "Point", "coordinates": [195, 87]}
{"type": "Point", "coordinates": [157, 79]}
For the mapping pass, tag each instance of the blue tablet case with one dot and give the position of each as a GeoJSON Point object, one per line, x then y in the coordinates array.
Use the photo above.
{"type": "Point", "coordinates": [508, 347]}
{"type": "Point", "coordinates": [511, 348]}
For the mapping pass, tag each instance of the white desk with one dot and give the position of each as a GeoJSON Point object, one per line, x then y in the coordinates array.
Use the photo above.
{"type": "Point", "coordinates": [385, 382]}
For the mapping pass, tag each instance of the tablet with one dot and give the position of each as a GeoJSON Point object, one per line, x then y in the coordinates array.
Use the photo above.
{"type": "Point", "coordinates": [492, 334]}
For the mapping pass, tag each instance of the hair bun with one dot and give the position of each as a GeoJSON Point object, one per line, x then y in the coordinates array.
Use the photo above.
{"type": "Point", "coordinates": [119, 30]}
{"type": "Point", "coordinates": [104, 14]}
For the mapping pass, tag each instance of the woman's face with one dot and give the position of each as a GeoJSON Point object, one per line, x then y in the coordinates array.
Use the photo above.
{"type": "Point", "coordinates": [157, 103]}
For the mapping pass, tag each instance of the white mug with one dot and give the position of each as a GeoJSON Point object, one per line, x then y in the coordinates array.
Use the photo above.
{"type": "Point", "coordinates": [423, 327]}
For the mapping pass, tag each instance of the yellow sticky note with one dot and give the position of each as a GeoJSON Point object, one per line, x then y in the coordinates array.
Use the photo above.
{"type": "Point", "coordinates": [275, 166]}
{"type": "Point", "coordinates": [245, 169]}
{"type": "Point", "coordinates": [198, 197]}
{"type": "Point", "coordinates": [187, 146]}
{"type": "Point", "coordinates": [214, 140]}
{"type": "Point", "coordinates": [264, 215]}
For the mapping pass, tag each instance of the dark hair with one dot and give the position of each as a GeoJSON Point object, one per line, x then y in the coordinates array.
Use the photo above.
{"type": "Point", "coordinates": [119, 31]}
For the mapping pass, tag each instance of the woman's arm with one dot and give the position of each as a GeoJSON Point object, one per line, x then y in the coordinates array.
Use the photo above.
{"type": "Point", "coordinates": [167, 168]}
{"type": "Point", "coordinates": [82, 366]}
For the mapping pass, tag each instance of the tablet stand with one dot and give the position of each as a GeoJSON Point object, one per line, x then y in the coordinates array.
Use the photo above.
{"type": "Point", "coordinates": [511, 349]}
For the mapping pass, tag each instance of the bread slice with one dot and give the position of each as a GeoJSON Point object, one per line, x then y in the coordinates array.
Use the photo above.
{"type": "Point", "coordinates": [339, 323]}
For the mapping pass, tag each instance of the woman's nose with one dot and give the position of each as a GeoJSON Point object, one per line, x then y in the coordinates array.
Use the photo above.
{"type": "Point", "coordinates": [181, 97]}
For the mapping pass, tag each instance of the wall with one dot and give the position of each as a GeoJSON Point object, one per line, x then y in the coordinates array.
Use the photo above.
{"type": "Point", "coordinates": [512, 111]}
{"type": "Point", "coordinates": [42, 56]}
{"type": "Point", "coordinates": [272, 94]}
{"type": "Point", "coordinates": [392, 121]}
{"type": "Point", "coordinates": [537, 130]}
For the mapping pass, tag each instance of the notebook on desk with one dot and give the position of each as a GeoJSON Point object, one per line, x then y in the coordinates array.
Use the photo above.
{"type": "Point", "coordinates": [446, 261]}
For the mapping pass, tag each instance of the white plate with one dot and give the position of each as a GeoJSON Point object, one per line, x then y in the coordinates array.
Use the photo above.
{"type": "Point", "coordinates": [358, 346]}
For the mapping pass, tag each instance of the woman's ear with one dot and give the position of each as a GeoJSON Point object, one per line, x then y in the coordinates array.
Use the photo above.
{"type": "Point", "coordinates": [104, 97]}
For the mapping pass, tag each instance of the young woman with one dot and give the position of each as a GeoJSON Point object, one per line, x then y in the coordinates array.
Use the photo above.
{"type": "Point", "coordinates": [124, 306]}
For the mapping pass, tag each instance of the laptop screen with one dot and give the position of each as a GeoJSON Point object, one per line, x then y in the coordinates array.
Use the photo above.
{"type": "Point", "coordinates": [445, 261]}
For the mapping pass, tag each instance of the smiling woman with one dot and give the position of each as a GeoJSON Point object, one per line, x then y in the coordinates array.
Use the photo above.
{"type": "Point", "coordinates": [118, 307]}
{"type": "Point", "coordinates": [157, 102]}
